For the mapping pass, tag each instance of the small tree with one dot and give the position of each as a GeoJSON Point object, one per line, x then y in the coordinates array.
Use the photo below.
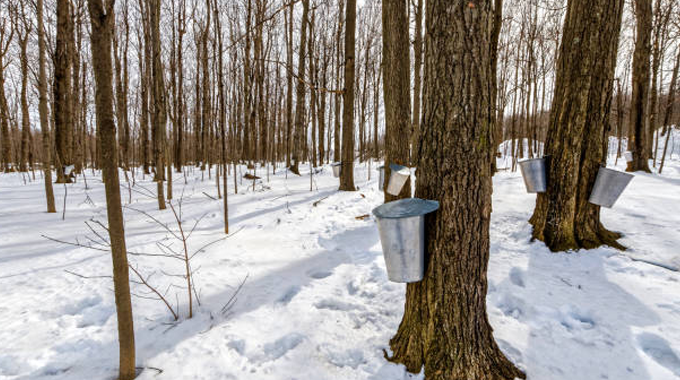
{"type": "Point", "coordinates": [101, 19]}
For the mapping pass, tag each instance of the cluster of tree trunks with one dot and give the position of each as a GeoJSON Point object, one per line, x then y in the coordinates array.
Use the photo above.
{"type": "Point", "coordinates": [577, 140]}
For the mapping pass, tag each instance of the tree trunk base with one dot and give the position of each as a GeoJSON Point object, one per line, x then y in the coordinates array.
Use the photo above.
{"type": "Point", "coordinates": [475, 356]}
{"type": "Point", "coordinates": [440, 364]}
{"type": "Point", "coordinates": [574, 240]}
{"type": "Point", "coordinates": [295, 169]}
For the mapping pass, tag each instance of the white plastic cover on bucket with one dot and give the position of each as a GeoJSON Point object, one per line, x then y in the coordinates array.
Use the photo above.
{"type": "Point", "coordinates": [533, 173]}
{"type": "Point", "coordinates": [402, 235]}
{"type": "Point", "coordinates": [609, 186]}
{"type": "Point", "coordinates": [337, 168]}
{"type": "Point", "coordinates": [398, 176]}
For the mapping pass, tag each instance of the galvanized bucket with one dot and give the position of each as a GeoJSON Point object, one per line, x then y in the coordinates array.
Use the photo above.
{"type": "Point", "coordinates": [402, 235]}
{"type": "Point", "coordinates": [533, 172]}
{"type": "Point", "coordinates": [398, 176]}
{"type": "Point", "coordinates": [628, 155]}
{"type": "Point", "coordinates": [381, 177]}
{"type": "Point", "coordinates": [609, 186]}
{"type": "Point", "coordinates": [337, 169]}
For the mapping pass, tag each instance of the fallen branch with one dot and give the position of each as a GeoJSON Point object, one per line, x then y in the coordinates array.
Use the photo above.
{"type": "Point", "coordinates": [209, 196]}
{"type": "Point", "coordinates": [319, 201]}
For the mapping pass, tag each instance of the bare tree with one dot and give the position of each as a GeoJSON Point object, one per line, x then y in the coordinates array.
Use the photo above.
{"type": "Point", "coordinates": [396, 72]}
{"type": "Point", "coordinates": [445, 327]}
{"type": "Point", "coordinates": [347, 173]}
{"type": "Point", "coordinates": [638, 133]}
{"type": "Point", "coordinates": [102, 23]}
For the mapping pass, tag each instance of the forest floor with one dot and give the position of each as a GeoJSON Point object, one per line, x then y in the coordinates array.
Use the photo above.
{"type": "Point", "coordinates": [316, 302]}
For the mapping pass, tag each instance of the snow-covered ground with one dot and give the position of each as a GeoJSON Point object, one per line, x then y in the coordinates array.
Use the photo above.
{"type": "Point", "coordinates": [316, 303]}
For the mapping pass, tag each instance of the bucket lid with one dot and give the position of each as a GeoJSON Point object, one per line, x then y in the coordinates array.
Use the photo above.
{"type": "Point", "coordinates": [405, 208]}
{"type": "Point", "coordinates": [404, 170]}
{"type": "Point", "coordinates": [531, 159]}
{"type": "Point", "coordinates": [616, 172]}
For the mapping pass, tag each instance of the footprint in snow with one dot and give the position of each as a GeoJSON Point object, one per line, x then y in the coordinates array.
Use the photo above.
{"type": "Point", "coordinates": [336, 305]}
{"type": "Point", "coordinates": [280, 347]}
{"type": "Point", "coordinates": [289, 295]}
{"type": "Point", "coordinates": [660, 351]}
{"type": "Point", "coordinates": [319, 275]}
{"type": "Point", "coordinates": [517, 276]}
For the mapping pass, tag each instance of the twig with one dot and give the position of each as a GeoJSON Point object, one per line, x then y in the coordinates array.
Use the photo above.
{"type": "Point", "coordinates": [160, 296]}
{"type": "Point", "coordinates": [319, 201]}
{"type": "Point", "coordinates": [209, 196]}
{"type": "Point", "coordinates": [230, 303]}
{"type": "Point", "coordinates": [83, 276]}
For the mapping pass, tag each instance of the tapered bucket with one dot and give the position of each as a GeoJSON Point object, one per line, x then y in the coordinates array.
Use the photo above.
{"type": "Point", "coordinates": [533, 172]}
{"type": "Point", "coordinates": [337, 169]}
{"type": "Point", "coordinates": [628, 155]}
{"type": "Point", "coordinates": [609, 186]}
{"type": "Point", "coordinates": [398, 176]}
{"type": "Point", "coordinates": [381, 177]}
{"type": "Point", "coordinates": [401, 225]}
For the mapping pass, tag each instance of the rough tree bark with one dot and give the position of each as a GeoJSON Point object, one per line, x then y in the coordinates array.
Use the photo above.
{"type": "Point", "coordinates": [299, 131]}
{"type": "Point", "coordinates": [62, 90]}
{"type": "Point", "coordinates": [5, 40]}
{"type": "Point", "coordinates": [577, 132]}
{"type": "Point", "coordinates": [639, 108]}
{"type": "Point", "coordinates": [25, 115]}
{"type": "Point", "coordinates": [101, 19]}
{"type": "Point", "coordinates": [42, 110]}
{"type": "Point", "coordinates": [417, 68]}
{"type": "Point", "coordinates": [347, 173]}
{"type": "Point", "coordinates": [337, 102]}
{"type": "Point", "coordinates": [396, 93]}
{"type": "Point", "coordinates": [445, 326]}
{"type": "Point", "coordinates": [159, 116]}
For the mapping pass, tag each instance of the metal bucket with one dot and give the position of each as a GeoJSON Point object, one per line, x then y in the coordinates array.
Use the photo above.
{"type": "Point", "coordinates": [533, 172]}
{"type": "Point", "coordinates": [609, 186]}
{"type": "Point", "coordinates": [402, 235]}
{"type": "Point", "coordinates": [337, 169]}
{"type": "Point", "coordinates": [628, 155]}
{"type": "Point", "coordinates": [398, 176]}
{"type": "Point", "coordinates": [381, 177]}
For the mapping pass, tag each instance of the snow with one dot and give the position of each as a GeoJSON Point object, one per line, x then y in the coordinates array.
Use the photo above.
{"type": "Point", "coordinates": [316, 303]}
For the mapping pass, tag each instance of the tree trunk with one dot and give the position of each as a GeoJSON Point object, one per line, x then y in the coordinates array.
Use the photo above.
{"type": "Point", "coordinates": [300, 136]}
{"type": "Point", "coordinates": [639, 108]}
{"type": "Point", "coordinates": [42, 110]}
{"type": "Point", "coordinates": [579, 121]}
{"type": "Point", "coordinates": [4, 111]}
{"type": "Point", "coordinates": [417, 67]}
{"type": "Point", "coordinates": [347, 173]}
{"type": "Point", "coordinates": [62, 90]}
{"type": "Point", "coordinates": [159, 117]}
{"type": "Point", "coordinates": [445, 326]}
{"type": "Point", "coordinates": [289, 84]}
{"type": "Point", "coordinates": [396, 72]}
{"type": "Point", "coordinates": [222, 114]}
{"type": "Point", "coordinates": [25, 116]}
{"type": "Point", "coordinates": [338, 97]}
{"type": "Point", "coordinates": [101, 20]}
